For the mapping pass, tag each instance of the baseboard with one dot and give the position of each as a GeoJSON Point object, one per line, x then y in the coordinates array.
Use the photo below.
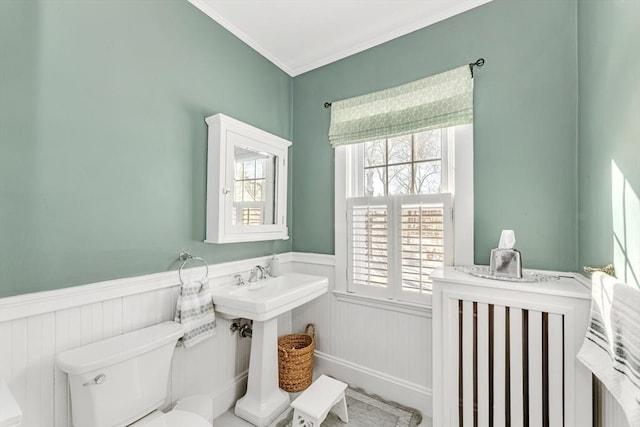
{"type": "Point", "coordinates": [374, 382]}
{"type": "Point", "coordinates": [226, 397]}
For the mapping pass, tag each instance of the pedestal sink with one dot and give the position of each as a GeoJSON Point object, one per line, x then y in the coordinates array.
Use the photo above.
{"type": "Point", "coordinates": [262, 302]}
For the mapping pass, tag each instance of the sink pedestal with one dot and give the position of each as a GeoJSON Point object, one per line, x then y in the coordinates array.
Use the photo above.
{"type": "Point", "coordinates": [264, 399]}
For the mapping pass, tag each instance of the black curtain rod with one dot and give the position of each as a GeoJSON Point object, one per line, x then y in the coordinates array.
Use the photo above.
{"type": "Point", "coordinates": [478, 63]}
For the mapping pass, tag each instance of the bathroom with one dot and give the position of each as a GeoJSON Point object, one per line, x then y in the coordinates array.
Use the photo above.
{"type": "Point", "coordinates": [103, 159]}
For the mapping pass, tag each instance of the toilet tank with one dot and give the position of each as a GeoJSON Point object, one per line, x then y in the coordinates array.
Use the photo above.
{"type": "Point", "coordinates": [119, 380]}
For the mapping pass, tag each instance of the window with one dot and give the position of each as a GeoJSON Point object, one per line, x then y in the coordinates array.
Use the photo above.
{"type": "Point", "coordinates": [410, 164]}
{"type": "Point", "coordinates": [399, 218]}
{"type": "Point", "coordinates": [403, 158]}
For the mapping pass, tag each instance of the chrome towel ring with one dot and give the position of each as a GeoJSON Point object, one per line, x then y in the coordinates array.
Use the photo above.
{"type": "Point", "coordinates": [185, 257]}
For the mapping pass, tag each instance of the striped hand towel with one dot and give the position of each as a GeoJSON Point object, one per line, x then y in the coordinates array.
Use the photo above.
{"type": "Point", "coordinates": [611, 348]}
{"type": "Point", "coordinates": [195, 311]}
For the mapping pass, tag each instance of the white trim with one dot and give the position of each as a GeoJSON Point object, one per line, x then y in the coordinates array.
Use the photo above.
{"type": "Point", "coordinates": [461, 180]}
{"type": "Point", "coordinates": [224, 135]}
{"type": "Point", "coordinates": [224, 399]}
{"type": "Point", "coordinates": [20, 306]}
{"type": "Point", "coordinates": [341, 192]}
{"type": "Point", "coordinates": [312, 258]}
{"type": "Point", "coordinates": [204, 7]}
{"type": "Point", "coordinates": [457, 8]}
{"type": "Point", "coordinates": [375, 382]}
{"type": "Point", "coordinates": [398, 32]}
{"type": "Point", "coordinates": [422, 310]}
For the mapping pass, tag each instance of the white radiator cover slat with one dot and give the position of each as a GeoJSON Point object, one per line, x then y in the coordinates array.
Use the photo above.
{"type": "Point", "coordinates": [526, 335]}
{"type": "Point", "coordinates": [499, 366]}
{"type": "Point", "coordinates": [555, 370]}
{"type": "Point", "coordinates": [467, 362]}
{"type": "Point", "coordinates": [536, 379]}
{"type": "Point", "coordinates": [515, 367]}
{"type": "Point", "coordinates": [454, 368]}
{"type": "Point", "coordinates": [483, 364]}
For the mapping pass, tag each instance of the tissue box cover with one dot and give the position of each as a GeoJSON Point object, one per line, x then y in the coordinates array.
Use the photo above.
{"type": "Point", "coordinates": [506, 263]}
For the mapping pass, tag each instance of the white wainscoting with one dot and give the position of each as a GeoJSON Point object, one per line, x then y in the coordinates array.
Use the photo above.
{"type": "Point", "coordinates": [384, 352]}
{"type": "Point", "coordinates": [35, 327]}
{"type": "Point", "coordinates": [381, 351]}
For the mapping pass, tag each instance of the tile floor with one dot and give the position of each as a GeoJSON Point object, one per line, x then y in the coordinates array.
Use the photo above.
{"type": "Point", "coordinates": [229, 420]}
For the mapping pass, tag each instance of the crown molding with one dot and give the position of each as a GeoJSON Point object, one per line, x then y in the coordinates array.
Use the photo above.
{"type": "Point", "coordinates": [455, 9]}
{"type": "Point", "coordinates": [391, 35]}
{"type": "Point", "coordinates": [207, 10]}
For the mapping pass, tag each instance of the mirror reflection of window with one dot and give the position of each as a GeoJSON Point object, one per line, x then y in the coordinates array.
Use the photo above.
{"type": "Point", "coordinates": [253, 187]}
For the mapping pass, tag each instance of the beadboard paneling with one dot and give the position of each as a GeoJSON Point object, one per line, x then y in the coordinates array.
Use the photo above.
{"type": "Point", "coordinates": [29, 343]}
{"type": "Point", "coordinates": [380, 350]}
{"type": "Point", "coordinates": [375, 349]}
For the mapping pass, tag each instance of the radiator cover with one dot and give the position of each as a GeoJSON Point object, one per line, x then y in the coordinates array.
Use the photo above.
{"type": "Point", "coordinates": [504, 352]}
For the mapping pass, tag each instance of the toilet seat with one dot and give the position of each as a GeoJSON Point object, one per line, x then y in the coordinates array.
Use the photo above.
{"type": "Point", "coordinates": [178, 418]}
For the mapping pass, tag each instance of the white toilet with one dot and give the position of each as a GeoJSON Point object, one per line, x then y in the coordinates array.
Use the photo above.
{"type": "Point", "coordinates": [122, 381]}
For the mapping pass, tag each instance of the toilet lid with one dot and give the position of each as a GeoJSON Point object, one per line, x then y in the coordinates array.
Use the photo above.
{"type": "Point", "coordinates": [179, 419]}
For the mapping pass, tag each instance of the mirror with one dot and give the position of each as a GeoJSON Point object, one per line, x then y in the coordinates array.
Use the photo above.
{"type": "Point", "coordinates": [246, 183]}
{"type": "Point", "coordinates": [253, 187]}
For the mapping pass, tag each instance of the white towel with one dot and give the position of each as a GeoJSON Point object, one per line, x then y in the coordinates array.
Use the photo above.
{"type": "Point", "coordinates": [195, 311]}
{"type": "Point", "coordinates": [611, 348]}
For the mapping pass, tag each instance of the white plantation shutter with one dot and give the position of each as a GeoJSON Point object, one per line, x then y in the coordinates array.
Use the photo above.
{"type": "Point", "coordinates": [411, 232]}
{"type": "Point", "coordinates": [422, 244]}
{"type": "Point", "coordinates": [368, 238]}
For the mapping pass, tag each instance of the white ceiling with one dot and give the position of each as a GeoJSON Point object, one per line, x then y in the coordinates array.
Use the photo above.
{"type": "Point", "coordinates": [300, 35]}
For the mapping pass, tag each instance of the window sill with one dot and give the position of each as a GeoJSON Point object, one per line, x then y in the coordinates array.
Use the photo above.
{"type": "Point", "coordinates": [416, 309]}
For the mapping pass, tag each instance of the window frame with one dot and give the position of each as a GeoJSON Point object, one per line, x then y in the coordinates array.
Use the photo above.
{"type": "Point", "coordinates": [394, 206]}
{"type": "Point", "coordinates": [460, 187]}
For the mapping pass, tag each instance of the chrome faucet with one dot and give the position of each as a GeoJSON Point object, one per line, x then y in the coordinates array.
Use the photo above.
{"type": "Point", "coordinates": [239, 280]}
{"type": "Point", "coordinates": [253, 277]}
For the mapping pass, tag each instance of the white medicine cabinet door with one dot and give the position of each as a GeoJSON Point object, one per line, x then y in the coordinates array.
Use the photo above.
{"type": "Point", "coordinates": [246, 182]}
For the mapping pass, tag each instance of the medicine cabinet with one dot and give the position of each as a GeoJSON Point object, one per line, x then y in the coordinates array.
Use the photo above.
{"type": "Point", "coordinates": [246, 183]}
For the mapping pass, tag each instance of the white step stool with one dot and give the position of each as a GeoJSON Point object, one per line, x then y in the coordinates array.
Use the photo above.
{"type": "Point", "coordinates": [313, 405]}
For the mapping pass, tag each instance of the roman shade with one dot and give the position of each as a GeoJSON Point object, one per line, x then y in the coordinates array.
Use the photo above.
{"type": "Point", "coordinates": [438, 101]}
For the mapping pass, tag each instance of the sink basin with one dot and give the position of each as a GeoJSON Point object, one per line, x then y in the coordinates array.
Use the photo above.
{"type": "Point", "coordinates": [268, 298]}
{"type": "Point", "coordinates": [262, 302]}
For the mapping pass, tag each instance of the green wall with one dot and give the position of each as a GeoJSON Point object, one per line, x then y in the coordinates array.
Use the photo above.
{"type": "Point", "coordinates": [525, 132]}
{"type": "Point", "coordinates": [103, 139]}
{"type": "Point", "coordinates": [103, 142]}
{"type": "Point", "coordinates": [609, 135]}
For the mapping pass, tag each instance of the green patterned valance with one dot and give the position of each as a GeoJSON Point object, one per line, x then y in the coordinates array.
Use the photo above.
{"type": "Point", "coordinates": [443, 100]}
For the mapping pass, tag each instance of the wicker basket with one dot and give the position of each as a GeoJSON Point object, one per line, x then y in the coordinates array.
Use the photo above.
{"type": "Point", "coordinates": [295, 359]}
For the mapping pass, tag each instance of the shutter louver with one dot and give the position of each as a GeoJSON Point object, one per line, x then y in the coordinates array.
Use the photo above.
{"type": "Point", "coordinates": [422, 245]}
{"type": "Point", "coordinates": [370, 246]}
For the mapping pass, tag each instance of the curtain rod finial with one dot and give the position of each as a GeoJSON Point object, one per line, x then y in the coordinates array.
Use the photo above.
{"type": "Point", "coordinates": [327, 104]}
{"type": "Point", "coordinates": [478, 63]}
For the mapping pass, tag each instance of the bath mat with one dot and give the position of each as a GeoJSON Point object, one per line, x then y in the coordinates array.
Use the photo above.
{"type": "Point", "coordinates": [368, 411]}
